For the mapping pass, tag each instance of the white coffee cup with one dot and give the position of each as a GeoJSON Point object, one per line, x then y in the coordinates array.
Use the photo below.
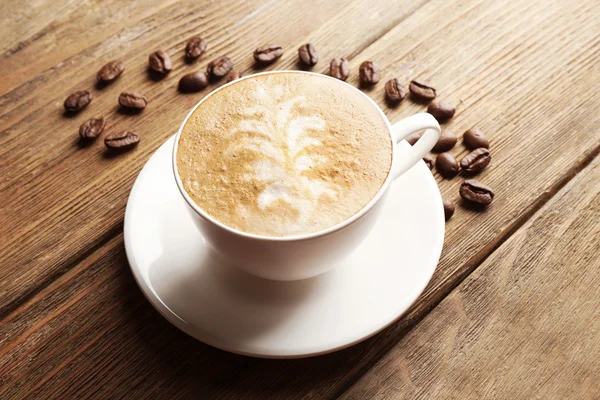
{"type": "Point", "coordinates": [304, 256]}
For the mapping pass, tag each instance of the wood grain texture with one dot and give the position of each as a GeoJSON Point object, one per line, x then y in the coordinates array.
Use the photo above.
{"type": "Point", "coordinates": [38, 35]}
{"type": "Point", "coordinates": [524, 325]}
{"type": "Point", "coordinates": [60, 190]}
{"type": "Point", "coordinates": [74, 322]}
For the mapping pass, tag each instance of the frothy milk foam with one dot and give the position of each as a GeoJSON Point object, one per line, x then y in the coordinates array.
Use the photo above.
{"type": "Point", "coordinates": [284, 154]}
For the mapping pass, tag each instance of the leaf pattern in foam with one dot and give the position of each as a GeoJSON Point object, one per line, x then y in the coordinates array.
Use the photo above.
{"type": "Point", "coordinates": [283, 141]}
{"type": "Point", "coordinates": [300, 126]}
{"type": "Point", "coordinates": [258, 145]}
{"type": "Point", "coordinates": [302, 163]}
{"type": "Point", "coordinates": [250, 126]}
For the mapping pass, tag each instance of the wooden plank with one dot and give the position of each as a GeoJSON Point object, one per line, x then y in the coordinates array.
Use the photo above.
{"type": "Point", "coordinates": [37, 35]}
{"type": "Point", "coordinates": [535, 150]}
{"type": "Point", "coordinates": [524, 325]}
{"type": "Point", "coordinates": [53, 189]}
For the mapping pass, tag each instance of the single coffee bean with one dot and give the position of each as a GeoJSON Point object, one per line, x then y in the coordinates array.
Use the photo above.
{"type": "Point", "coordinates": [440, 111]}
{"type": "Point", "coordinates": [476, 160]}
{"type": "Point", "coordinates": [195, 47]}
{"type": "Point", "coordinates": [369, 72]}
{"type": "Point", "coordinates": [422, 90]}
{"type": "Point", "coordinates": [412, 139]}
{"type": "Point", "coordinates": [394, 91]}
{"type": "Point", "coordinates": [268, 54]}
{"type": "Point", "coordinates": [428, 161]}
{"type": "Point", "coordinates": [160, 62]}
{"type": "Point", "coordinates": [78, 101]}
{"type": "Point", "coordinates": [232, 76]}
{"type": "Point", "coordinates": [133, 100]}
{"type": "Point", "coordinates": [446, 142]}
{"type": "Point", "coordinates": [446, 165]}
{"type": "Point", "coordinates": [448, 209]}
{"type": "Point", "coordinates": [92, 128]}
{"type": "Point", "coordinates": [193, 82]}
{"type": "Point", "coordinates": [121, 140]}
{"type": "Point", "coordinates": [476, 192]}
{"type": "Point", "coordinates": [338, 68]}
{"type": "Point", "coordinates": [219, 67]}
{"type": "Point", "coordinates": [110, 71]}
{"type": "Point", "coordinates": [474, 139]}
{"type": "Point", "coordinates": [308, 54]}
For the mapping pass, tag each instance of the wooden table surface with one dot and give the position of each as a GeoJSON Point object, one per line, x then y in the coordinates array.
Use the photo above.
{"type": "Point", "coordinates": [513, 310]}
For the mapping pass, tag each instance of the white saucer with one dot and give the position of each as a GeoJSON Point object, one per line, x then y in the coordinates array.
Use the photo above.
{"type": "Point", "coordinates": [231, 310]}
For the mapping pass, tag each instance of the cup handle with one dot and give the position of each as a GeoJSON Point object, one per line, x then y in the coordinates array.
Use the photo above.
{"type": "Point", "coordinates": [408, 126]}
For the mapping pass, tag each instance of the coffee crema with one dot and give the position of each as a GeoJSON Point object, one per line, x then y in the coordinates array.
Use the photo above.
{"type": "Point", "coordinates": [284, 154]}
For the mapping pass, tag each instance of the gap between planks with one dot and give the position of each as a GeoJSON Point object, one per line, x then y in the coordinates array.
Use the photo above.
{"type": "Point", "coordinates": [14, 306]}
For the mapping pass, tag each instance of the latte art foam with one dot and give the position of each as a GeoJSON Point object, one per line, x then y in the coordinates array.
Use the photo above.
{"type": "Point", "coordinates": [284, 154]}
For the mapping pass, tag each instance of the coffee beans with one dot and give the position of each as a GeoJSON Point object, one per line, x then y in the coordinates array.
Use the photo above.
{"type": "Point", "coordinates": [394, 91]}
{"type": "Point", "coordinates": [92, 128]}
{"type": "Point", "coordinates": [412, 139]}
{"type": "Point", "coordinates": [446, 165]}
{"type": "Point", "coordinates": [446, 142]}
{"type": "Point", "coordinates": [474, 139]}
{"type": "Point", "coordinates": [195, 47]}
{"type": "Point", "coordinates": [476, 192]}
{"type": "Point", "coordinates": [476, 160]}
{"type": "Point", "coordinates": [440, 111]}
{"type": "Point", "coordinates": [448, 209]}
{"type": "Point", "coordinates": [110, 71]}
{"type": "Point", "coordinates": [369, 73]}
{"type": "Point", "coordinates": [78, 101]}
{"type": "Point", "coordinates": [422, 90]}
{"type": "Point", "coordinates": [232, 76]}
{"type": "Point", "coordinates": [121, 140]}
{"type": "Point", "coordinates": [193, 82]}
{"type": "Point", "coordinates": [308, 55]}
{"type": "Point", "coordinates": [160, 62]}
{"type": "Point", "coordinates": [133, 100]}
{"type": "Point", "coordinates": [428, 161]}
{"type": "Point", "coordinates": [268, 54]}
{"type": "Point", "coordinates": [219, 67]}
{"type": "Point", "coordinates": [338, 68]}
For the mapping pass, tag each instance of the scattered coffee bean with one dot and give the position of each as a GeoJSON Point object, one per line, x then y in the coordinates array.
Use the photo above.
{"type": "Point", "coordinates": [121, 140]}
{"type": "Point", "coordinates": [369, 73]}
{"type": "Point", "coordinates": [446, 165]}
{"type": "Point", "coordinates": [446, 142]}
{"type": "Point", "coordinates": [193, 82]}
{"type": "Point", "coordinates": [448, 209]}
{"type": "Point", "coordinates": [268, 54]}
{"type": "Point", "coordinates": [412, 139]}
{"type": "Point", "coordinates": [110, 71]}
{"type": "Point", "coordinates": [440, 111]}
{"type": "Point", "coordinates": [232, 76]}
{"type": "Point", "coordinates": [422, 90]}
{"type": "Point", "coordinates": [160, 62]}
{"type": "Point", "coordinates": [474, 139]}
{"type": "Point", "coordinates": [428, 161]}
{"type": "Point", "coordinates": [308, 54]}
{"type": "Point", "coordinates": [92, 128]}
{"type": "Point", "coordinates": [78, 101]}
{"type": "Point", "coordinates": [476, 192]}
{"type": "Point", "coordinates": [133, 100]}
{"type": "Point", "coordinates": [338, 68]}
{"type": "Point", "coordinates": [476, 160]}
{"type": "Point", "coordinates": [195, 47]}
{"type": "Point", "coordinates": [219, 67]}
{"type": "Point", "coordinates": [394, 91]}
